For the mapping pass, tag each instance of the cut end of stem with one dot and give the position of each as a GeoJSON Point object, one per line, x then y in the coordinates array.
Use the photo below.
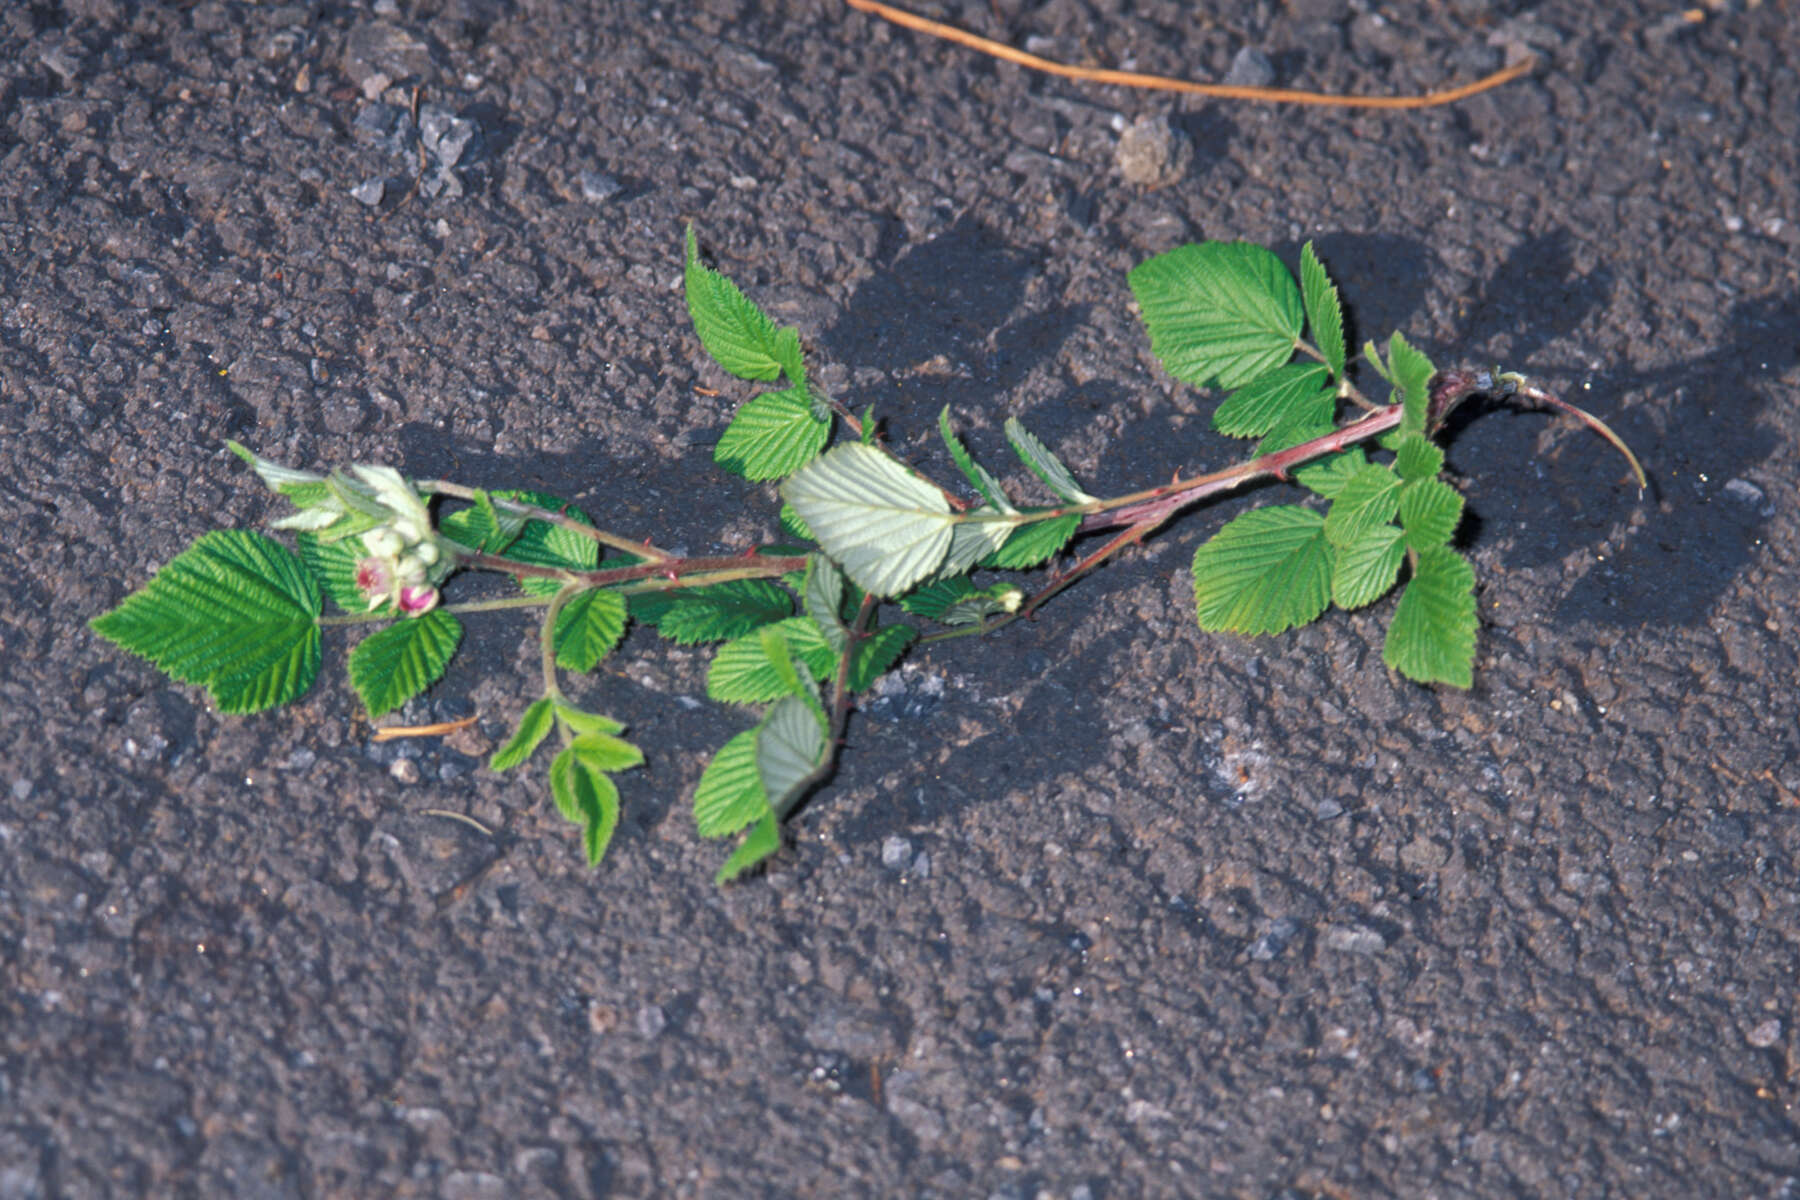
{"type": "Point", "coordinates": [1524, 388]}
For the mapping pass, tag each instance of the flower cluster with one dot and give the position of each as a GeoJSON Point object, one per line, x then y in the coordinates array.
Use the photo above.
{"type": "Point", "coordinates": [403, 559]}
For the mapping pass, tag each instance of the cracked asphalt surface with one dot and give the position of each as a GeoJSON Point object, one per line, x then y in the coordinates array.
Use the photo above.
{"type": "Point", "coordinates": [1101, 907]}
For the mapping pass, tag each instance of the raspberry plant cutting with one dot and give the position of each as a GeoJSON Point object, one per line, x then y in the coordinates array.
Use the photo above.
{"type": "Point", "coordinates": [803, 626]}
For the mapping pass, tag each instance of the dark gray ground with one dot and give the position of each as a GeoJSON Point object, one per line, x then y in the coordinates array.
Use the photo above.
{"type": "Point", "coordinates": [1176, 914]}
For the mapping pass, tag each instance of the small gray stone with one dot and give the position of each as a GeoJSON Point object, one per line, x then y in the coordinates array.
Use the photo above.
{"type": "Point", "coordinates": [651, 1020]}
{"type": "Point", "coordinates": [1153, 153]}
{"type": "Point", "coordinates": [1764, 1035]}
{"type": "Point", "coordinates": [1744, 490]}
{"type": "Point", "coordinates": [1328, 810]}
{"type": "Point", "coordinates": [1251, 68]}
{"type": "Point", "coordinates": [1354, 939]}
{"type": "Point", "coordinates": [21, 789]}
{"type": "Point", "coordinates": [1275, 939]}
{"type": "Point", "coordinates": [895, 852]}
{"type": "Point", "coordinates": [598, 187]}
{"type": "Point", "coordinates": [445, 135]}
{"type": "Point", "coordinates": [370, 191]}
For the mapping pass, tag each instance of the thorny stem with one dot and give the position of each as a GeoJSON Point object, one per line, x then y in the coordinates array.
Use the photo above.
{"type": "Point", "coordinates": [1143, 512]}
{"type": "Point", "coordinates": [547, 638]}
{"type": "Point", "coordinates": [670, 571]}
{"type": "Point", "coordinates": [561, 520]}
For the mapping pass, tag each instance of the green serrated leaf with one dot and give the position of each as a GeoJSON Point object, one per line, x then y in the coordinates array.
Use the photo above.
{"type": "Point", "coordinates": [1372, 353]}
{"type": "Point", "coordinates": [333, 564]}
{"type": "Point", "coordinates": [1323, 313]}
{"type": "Point", "coordinates": [1266, 571]}
{"type": "Point", "coordinates": [1430, 510]}
{"type": "Point", "coordinates": [763, 840]}
{"type": "Point", "coordinates": [585, 795]}
{"type": "Point", "coordinates": [990, 602]}
{"type": "Point", "coordinates": [730, 794]}
{"type": "Point", "coordinates": [580, 722]}
{"type": "Point", "coordinates": [930, 600]}
{"type": "Point", "coordinates": [974, 540]}
{"type": "Point", "coordinates": [887, 528]}
{"type": "Point", "coordinates": [736, 333]}
{"type": "Point", "coordinates": [977, 475]}
{"type": "Point", "coordinates": [1412, 375]}
{"type": "Point", "coordinates": [1287, 392]}
{"type": "Point", "coordinates": [391, 667]}
{"type": "Point", "coordinates": [588, 627]}
{"type": "Point", "coordinates": [236, 613]}
{"type": "Point", "coordinates": [822, 595]}
{"type": "Point", "coordinates": [1036, 543]}
{"type": "Point", "coordinates": [775, 649]}
{"type": "Point", "coordinates": [1432, 637]}
{"type": "Point", "coordinates": [543, 544]}
{"type": "Point", "coordinates": [483, 525]}
{"type": "Point", "coordinates": [772, 436]}
{"type": "Point", "coordinates": [1310, 417]}
{"type": "Point", "coordinates": [790, 745]}
{"type": "Point", "coordinates": [1327, 476]}
{"type": "Point", "coordinates": [1225, 311]}
{"type": "Point", "coordinates": [876, 654]}
{"type": "Point", "coordinates": [534, 727]}
{"type": "Point", "coordinates": [793, 361]}
{"type": "Point", "coordinates": [716, 613]}
{"type": "Point", "coordinates": [741, 672]}
{"type": "Point", "coordinates": [1045, 465]}
{"type": "Point", "coordinates": [1367, 499]}
{"type": "Point", "coordinates": [1367, 567]}
{"type": "Point", "coordinates": [1416, 457]}
{"type": "Point", "coordinates": [604, 752]}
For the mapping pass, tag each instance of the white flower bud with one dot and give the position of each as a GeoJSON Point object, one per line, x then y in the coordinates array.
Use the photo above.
{"type": "Point", "coordinates": [383, 542]}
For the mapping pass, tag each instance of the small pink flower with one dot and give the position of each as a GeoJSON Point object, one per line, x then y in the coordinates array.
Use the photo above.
{"type": "Point", "coordinates": [417, 601]}
{"type": "Point", "coordinates": [375, 580]}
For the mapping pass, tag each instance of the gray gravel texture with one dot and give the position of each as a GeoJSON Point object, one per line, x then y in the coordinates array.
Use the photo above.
{"type": "Point", "coordinates": [1103, 907]}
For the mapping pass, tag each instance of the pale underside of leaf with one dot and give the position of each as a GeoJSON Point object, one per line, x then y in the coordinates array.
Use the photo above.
{"type": "Point", "coordinates": [790, 746]}
{"type": "Point", "coordinates": [973, 540]}
{"type": "Point", "coordinates": [885, 527]}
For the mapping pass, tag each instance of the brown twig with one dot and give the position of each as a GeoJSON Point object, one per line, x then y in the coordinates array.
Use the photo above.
{"type": "Point", "coordinates": [391, 732]}
{"type": "Point", "coordinates": [1224, 91]}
